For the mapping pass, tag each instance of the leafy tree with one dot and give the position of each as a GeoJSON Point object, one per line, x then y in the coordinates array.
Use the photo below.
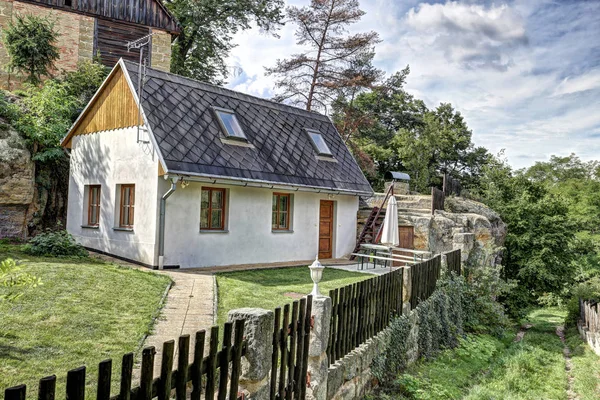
{"type": "Point", "coordinates": [388, 129]}
{"type": "Point", "coordinates": [48, 112]}
{"type": "Point", "coordinates": [14, 281]}
{"type": "Point", "coordinates": [207, 28]}
{"type": "Point", "coordinates": [333, 62]}
{"type": "Point", "coordinates": [30, 43]}
{"type": "Point", "coordinates": [541, 245]}
{"type": "Point", "coordinates": [577, 182]}
{"type": "Point", "coordinates": [369, 121]}
{"type": "Point", "coordinates": [442, 144]}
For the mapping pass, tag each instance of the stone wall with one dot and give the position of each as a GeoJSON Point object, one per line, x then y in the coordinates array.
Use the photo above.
{"type": "Point", "coordinates": [16, 183]}
{"type": "Point", "coordinates": [161, 50]}
{"type": "Point", "coordinates": [75, 39]}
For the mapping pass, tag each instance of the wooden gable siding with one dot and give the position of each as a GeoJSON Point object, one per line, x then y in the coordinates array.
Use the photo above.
{"type": "Point", "coordinates": [150, 13]}
{"type": "Point", "coordinates": [113, 108]}
{"type": "Point", "coordinates": [112, 38]}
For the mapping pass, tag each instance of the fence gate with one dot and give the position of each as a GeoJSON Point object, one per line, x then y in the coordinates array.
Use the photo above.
{"type": "Point", "coordinates": [289, 362]}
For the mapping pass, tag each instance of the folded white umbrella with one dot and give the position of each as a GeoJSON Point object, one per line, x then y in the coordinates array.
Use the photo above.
{"type": "Point", "coordinates": [389, 234]}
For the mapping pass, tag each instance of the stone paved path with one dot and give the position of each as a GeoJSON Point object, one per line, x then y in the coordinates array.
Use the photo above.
{"type": "Point", "coordinates": [188, 309]}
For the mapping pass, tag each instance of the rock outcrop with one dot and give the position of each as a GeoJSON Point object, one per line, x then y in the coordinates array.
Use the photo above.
{"type": "Point", "coordinates": [464, 224]}
{"type": "Point", "coordinates": [16, 183]}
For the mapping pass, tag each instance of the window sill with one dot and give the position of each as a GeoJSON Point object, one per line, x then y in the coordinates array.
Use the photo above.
{"type": "Point", "coordinates": [90, 226]}
{"type": "Point", "coordinates": [282, 231]}
{"type": "Point", "coordinates": [118, 228]}
{"type": "Point", "coordinates": [213, 231]}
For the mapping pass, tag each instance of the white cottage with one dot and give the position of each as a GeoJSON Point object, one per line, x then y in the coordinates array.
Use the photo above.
{"type": "Point", "coordinates": [199, 175]}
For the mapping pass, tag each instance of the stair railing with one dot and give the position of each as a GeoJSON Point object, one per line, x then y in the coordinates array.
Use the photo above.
{"type": "Point", "coordinates": [371, 221]}
{"type": "Point", "coordinates": [390, 192]}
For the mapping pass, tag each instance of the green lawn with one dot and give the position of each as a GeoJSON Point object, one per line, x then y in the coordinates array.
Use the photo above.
{"type": "Point", "coordinates": [266, 288]}
{"type": "Point", "coordinates": [531, 369]}
{"type": "Point", "coordinates": [586, 367]}
{"type": "Point", "coordinates": [487, 368]}
{"type": "Point", "coordinates": [85, 311]}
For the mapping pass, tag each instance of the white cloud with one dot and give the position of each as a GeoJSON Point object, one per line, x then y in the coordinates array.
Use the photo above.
{"type": "Point", "coordinates": [525, 73]}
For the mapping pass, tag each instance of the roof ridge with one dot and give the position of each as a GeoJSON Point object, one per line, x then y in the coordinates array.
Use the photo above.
{"type": "Point", "coordinates": [230, 92]}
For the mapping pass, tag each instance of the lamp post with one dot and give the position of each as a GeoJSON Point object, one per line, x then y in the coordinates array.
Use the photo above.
{"type": "Point", "coordinates": [316, 273]}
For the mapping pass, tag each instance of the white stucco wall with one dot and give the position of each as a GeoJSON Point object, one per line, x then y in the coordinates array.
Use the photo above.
{"type": "Point", "coordinates": [111, 158]}
{"type": "Point", "coordinates": [249, 238]}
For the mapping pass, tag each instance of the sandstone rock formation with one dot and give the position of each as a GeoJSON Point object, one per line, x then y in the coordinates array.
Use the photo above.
{"type": "Point", "coordinates": [464, 224]}
{"type": "Point", "coordinates": [16, 183]}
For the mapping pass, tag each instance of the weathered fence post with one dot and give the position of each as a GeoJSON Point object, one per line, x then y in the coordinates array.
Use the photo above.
{"type": "Point", "coordinates": [318, 362]}
{"type": "Point", "coordinates": [256, 364]}
{"type": "Point", "coordinates": [406, 290]}
{"type": "Point", "coordinates": [444, 263]}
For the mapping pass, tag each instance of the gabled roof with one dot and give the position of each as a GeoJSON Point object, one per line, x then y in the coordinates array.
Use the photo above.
{"type": "Point", "coordinates": [150, 13]}
{"type": "Point", "coordinates": [183, 125]}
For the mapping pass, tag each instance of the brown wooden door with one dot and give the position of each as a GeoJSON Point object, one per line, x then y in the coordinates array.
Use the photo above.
{"type": "Point", "coordinates": [407, 237]}
{"type": "Point", "coordinates": [326, 229]}
{"type": "Point", "coordinates": [407, 241]}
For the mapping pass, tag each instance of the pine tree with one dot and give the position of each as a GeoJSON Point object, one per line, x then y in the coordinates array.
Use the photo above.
{"type": "Point", "coordinates": [31, 44]}
{"type": "Point", "coordinates": [334, 62]}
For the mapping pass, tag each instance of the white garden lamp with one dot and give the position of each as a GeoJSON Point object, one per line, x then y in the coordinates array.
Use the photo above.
{"type": "Point", "coordinates": [316, 274]}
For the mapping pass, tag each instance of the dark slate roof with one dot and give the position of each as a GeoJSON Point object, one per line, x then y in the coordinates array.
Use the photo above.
{"type": "Point", "coordinates": [180, 115]}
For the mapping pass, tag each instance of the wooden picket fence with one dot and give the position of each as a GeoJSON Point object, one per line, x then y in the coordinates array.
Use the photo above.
{"type": "Point", "coordinates": [362, 310]}
{"type": "Point", "coordinates": [289, 360]}
{"type": "Point", "coordinates": [424, 277]}
{"type": "Point", "coordinates": [209, 375]}
{"type": "Point", "coordinates": [453, 261]}
{"type": "Point", "coordinates": [588, 315]}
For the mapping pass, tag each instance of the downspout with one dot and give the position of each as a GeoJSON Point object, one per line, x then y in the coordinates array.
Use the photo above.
{"type": "Point", "coordinates": [161, 222]}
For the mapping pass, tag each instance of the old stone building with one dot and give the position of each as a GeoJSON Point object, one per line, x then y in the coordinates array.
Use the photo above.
{"type": "Point", "coordinates": [94, 27]}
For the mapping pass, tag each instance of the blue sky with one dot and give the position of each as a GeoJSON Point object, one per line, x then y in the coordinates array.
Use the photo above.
{"type": "Point", "coordinates": [524, 73]}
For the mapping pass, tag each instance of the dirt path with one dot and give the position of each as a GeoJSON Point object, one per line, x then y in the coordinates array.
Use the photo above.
{"type": "Point", "coordinates": [571, 395]}
{"type": "Point", "coordinates": [522, 332]}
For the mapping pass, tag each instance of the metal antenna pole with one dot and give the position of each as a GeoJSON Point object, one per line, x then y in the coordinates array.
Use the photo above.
{"type": "Point", "coordinates": [140, 44]}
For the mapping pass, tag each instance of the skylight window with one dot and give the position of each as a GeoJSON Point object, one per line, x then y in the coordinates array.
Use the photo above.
{"type": "Point", "coordinates": [230, 124]}
{"type": "Point", "coordinates": [319, 143]}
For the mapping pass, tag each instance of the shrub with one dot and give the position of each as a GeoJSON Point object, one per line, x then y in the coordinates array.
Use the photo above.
{"type": "Point", "coordinates": [456, 306]}
{"type": "Point", "coordinates": [55, 243]}
{"type": "Point", "coordinates": [30, 43]}
{"type": "Point", "coordinates": [395, 358]}
{"type": "Point", "coordinates": [48, 112]}
{"type": "Point", "coordinates": [589, 290]}
{"type": "Point", "coordinates": [13, 280]}
{"type": "Point", "coordinates": [85, 80]}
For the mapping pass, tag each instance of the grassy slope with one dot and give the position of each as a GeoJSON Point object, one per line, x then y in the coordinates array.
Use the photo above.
{"type": "Point", "coordinates": [586, 367]}
{"type": "Point", "coordinates": [468, 363]}
{"type": "Point", "coordinates": [531, 369]}
{"type": "Point", "coordinates": [483, 367]}
{"type": "Point", "coordinates": [266, 288]}
{"type": "Point", "coordinates": [85, 312]}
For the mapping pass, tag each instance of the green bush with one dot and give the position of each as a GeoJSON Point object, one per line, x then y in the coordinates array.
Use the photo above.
{"type": "Point", "coordinates": [13, 281]}
{"type": "Point", "coordinates": [457, 306]}
{"type": "Point", "coordinates": [54, 243]}
{"type": "Point", "coordinates": [589, 290]}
